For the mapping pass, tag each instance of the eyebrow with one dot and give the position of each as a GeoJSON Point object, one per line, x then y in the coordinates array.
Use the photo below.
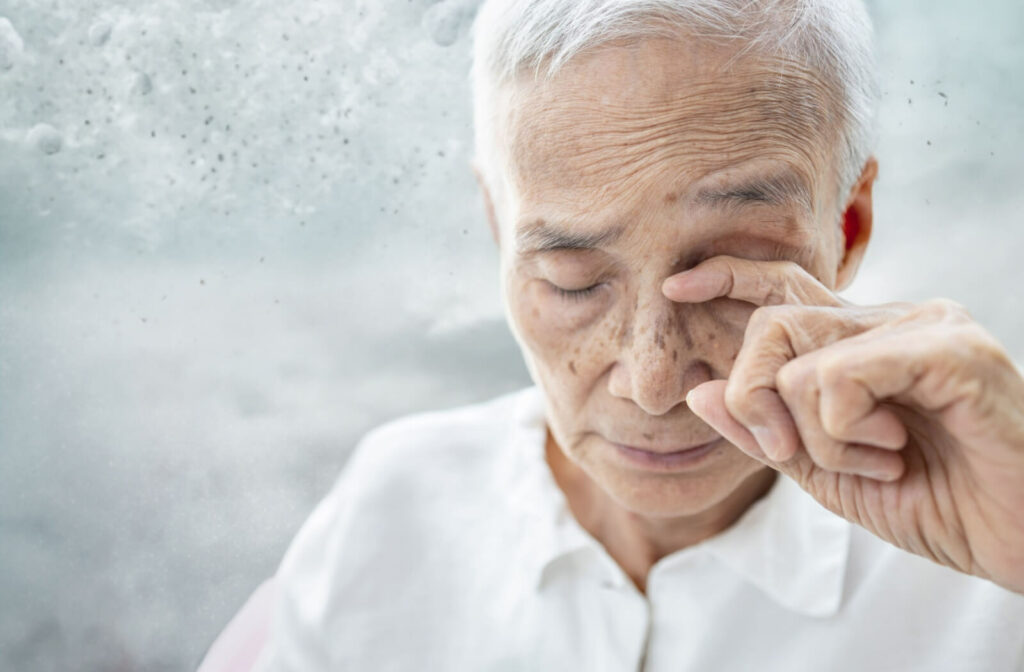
{"type": "Point", "coordinates": [782, 188]}
{"type": "Point", "coordinates": [543, 237]}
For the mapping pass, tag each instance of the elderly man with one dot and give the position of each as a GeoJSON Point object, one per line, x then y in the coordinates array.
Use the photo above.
{"type": "Point", "coordinates": [723, 465]}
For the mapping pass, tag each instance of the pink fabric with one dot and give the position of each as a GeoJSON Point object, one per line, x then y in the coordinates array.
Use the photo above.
{"type": "Point", "coordinates": [240, 644]}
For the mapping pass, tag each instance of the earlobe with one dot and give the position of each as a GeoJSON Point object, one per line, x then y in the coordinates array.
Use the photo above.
{"type": "Point", "coordinates": [492, 219]}
{"type": "Point", "coordinates": [858, 218]}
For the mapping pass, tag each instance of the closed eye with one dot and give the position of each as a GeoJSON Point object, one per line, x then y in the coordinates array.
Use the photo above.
{"type": "Point", "coordinates": [575, 294]}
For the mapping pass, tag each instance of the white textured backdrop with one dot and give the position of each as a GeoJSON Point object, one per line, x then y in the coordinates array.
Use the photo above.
{"type": "Point", "coordinates": [235, 234]}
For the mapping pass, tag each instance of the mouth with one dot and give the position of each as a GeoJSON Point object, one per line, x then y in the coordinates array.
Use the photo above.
{"type": "Point", "coordinates": [676, 459]}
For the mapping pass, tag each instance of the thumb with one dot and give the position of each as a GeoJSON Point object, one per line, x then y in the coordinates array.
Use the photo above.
{"type": "Point", "coordinates": [707, 401]}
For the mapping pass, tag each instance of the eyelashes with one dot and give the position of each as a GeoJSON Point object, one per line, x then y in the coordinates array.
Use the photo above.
{"type": "Point", "coordinates": [575, 295]}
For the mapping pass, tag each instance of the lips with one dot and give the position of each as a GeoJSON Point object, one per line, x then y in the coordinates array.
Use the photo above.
{"type": "Point", "coordinates": [657, 458]}
{"type": "Point", "coordinates": [665, 449]}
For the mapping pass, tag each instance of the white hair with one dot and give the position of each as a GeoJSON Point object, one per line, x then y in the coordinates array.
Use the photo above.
{"type": "Point", "coordinates": [833, 37]}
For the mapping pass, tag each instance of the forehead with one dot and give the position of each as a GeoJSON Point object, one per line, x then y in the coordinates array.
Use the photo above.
{"type": "Point", "coordinates": [669, 115]}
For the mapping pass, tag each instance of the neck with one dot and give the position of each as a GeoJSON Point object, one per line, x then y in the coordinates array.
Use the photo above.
{"type": "Point", "coordinates": [635, 541]}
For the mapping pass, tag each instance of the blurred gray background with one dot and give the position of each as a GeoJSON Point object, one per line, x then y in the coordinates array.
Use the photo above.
{"type": "Point", "coordinates": [236, 234]}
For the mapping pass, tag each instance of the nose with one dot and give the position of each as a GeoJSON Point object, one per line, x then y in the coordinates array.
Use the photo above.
{"type": "Point", "coordinates": [657, 365]}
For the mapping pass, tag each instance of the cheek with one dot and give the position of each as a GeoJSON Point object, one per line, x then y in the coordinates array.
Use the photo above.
{"type": "Point", "coordinates": [565, 336]}
{"type": "Point", "coordinates": [726, 322]}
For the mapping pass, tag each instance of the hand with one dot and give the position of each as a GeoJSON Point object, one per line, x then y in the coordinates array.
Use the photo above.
{"type": "Point", "coordinates": [905, 419]}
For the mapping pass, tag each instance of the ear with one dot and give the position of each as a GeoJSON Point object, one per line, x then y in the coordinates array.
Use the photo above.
{"type": "Point", "coordinates": [492, 219]}
{"type": "Point", "coordinates": [857, 219]}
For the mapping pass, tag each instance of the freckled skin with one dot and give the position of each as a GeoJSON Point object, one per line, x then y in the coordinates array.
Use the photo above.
{"type": "Point", "coordinates": [628, 135]}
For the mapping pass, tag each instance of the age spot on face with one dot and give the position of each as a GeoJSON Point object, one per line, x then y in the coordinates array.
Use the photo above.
{"type": "Point", "coordinates": [659, 337]}
{"type": "Point", "coordinates": [572, 367]}
{"type": "Point", "coordinates": [625, 335]}
{"type": "Point", "coordinates": [687, 337]}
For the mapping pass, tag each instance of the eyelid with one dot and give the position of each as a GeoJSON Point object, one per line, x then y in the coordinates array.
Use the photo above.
{"type": "Point", "coordinates": [575, 294]}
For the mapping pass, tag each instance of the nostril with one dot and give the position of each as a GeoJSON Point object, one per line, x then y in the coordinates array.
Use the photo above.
{"type": "Point", "coordinates": [696, 373]}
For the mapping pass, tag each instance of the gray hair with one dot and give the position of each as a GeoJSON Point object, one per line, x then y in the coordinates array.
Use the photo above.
{"type": "Point", "coordinates": [833, 37]}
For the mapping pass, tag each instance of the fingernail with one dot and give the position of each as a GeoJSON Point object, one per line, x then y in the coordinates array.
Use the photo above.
{"type": "Point", "coordinates": [766, 439]}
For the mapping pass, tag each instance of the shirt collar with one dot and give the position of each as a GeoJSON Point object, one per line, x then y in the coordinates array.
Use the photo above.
{"type": "Point", "coordinates": [550, 536]}
{"type": "Point", "coordinates": [789, 547]}
{"type": "Point", "coordinates": [786, 544]}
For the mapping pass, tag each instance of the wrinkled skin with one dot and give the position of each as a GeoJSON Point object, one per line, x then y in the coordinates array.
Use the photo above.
{"type": "Point", "coordinates": [637, 162]}
{"type": "Point", "coordinates": [905, 419]}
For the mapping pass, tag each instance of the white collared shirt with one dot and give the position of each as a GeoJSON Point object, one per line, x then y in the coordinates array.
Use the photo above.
{"type": "Point", "coordinates": [446, 546]}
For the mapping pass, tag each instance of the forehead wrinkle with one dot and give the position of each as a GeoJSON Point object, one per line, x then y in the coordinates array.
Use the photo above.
{"type": "Point", "coordinates": [586, 135]}
{"type": "Point", "coordinates": [594, 146]}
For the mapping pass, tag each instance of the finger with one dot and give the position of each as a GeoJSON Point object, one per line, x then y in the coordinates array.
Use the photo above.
{"type": "Point", "coordinates": [847, 415]}
{"type": "Point", "coordinates": [880, 427]}
{"type": "Point", "coordinates": [750, 394]}
{"type": "Point", "coordinates": [798, 387]}
{"type": "Point", "coordinates": [930, 367]}
{"type": "Point", "coordinates": [762, 283]}
{"type": "Point", "coordinates": [776, 335]}
{"type": "Point", "coordinates": [707, 401]}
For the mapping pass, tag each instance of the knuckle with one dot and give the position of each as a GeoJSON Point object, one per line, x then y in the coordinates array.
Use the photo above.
{"type": "Point", "coordinates": [737, 398]}
{"type": "Point", "coordinates": [772, 291]}
{"type": "Point", "coordinates": [981, 346]}
{"type": "Point", "coordinates": [792, 380]}
{"type": "Point", "coordinates": [944, 310]}
{"type": "Point", "coordinates": [768, 318]}
{"type": "Point", "coordinates": [834, 425]}
{"type": "Point", "coordinates": [792, 269]}
{"type": "Point", "coordinates": [830, 369]}
{"type": "Point", "coordinates": [759, 320]}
